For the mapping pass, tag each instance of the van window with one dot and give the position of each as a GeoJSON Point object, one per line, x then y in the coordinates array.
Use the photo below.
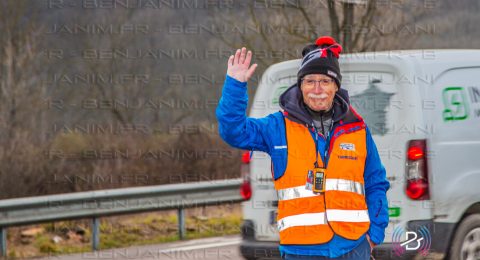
{"type": "Point", "coordinates": [371, 95]}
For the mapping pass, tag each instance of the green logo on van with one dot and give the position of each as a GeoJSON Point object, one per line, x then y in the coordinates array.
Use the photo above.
{"type": "Point", "coordinates": [455, 104]}
{"type": "Point", "coordinates": [394, 212]}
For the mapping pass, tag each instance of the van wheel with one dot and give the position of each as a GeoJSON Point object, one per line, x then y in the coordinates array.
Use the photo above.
{"type": "Point", "coordinates": [466, 242]}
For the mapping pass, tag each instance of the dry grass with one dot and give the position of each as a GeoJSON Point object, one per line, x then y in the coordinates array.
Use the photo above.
{"type": "Point", "coordinates": [128, 230]}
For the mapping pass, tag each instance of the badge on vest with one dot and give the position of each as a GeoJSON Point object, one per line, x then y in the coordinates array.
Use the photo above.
{"type": "Point", "coordinates": [347, 146]}
{"type": "Point", "coordinates": [316, 180]}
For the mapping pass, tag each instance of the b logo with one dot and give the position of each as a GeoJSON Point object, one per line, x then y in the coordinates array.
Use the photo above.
{"type": "Point", "coordinates": [414, 239]}
{"type": "Point", "coordinates": [419, 240]}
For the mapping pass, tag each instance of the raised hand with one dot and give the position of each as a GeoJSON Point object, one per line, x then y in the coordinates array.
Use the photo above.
{"type": "Point", "coordinates": [239, 65]}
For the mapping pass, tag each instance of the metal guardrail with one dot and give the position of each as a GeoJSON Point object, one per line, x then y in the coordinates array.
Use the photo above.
{"type": "Point", "coordinates": [95, 204]}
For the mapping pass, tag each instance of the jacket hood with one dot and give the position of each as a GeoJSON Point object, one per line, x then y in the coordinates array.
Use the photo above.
{"type": "Point", "coordinates": [291, 101]}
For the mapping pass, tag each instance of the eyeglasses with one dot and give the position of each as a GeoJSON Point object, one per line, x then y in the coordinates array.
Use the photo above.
{"type": "Point", "coordinates": [309, 83]}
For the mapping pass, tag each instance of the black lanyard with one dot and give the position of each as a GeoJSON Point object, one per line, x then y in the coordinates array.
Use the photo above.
{"type": "Point", "coordinates": [327, 144]}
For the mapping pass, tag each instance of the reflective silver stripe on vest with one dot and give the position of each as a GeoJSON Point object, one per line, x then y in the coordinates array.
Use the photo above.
{"type": "Point", "coordinates": [307, 219]}
{"type": "Point", "coordinates": [342, 215]}
{"type": "Point", "coordinates": [331, 184]}
{"type": "Point", "coordinates": [344, 185]}
{"type": "Point", "coordinates": [294, 193]}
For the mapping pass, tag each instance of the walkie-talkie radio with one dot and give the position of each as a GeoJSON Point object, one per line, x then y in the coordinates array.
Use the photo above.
{"type": "Point", "coordinates": [318, 180]}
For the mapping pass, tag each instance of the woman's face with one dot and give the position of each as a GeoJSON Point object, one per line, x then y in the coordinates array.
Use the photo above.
{"type": "Point", "coordinates": [318, 91]}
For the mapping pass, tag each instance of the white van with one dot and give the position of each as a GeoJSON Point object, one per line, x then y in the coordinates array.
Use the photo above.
{"type": "Point", "coordinates": [423, 109]}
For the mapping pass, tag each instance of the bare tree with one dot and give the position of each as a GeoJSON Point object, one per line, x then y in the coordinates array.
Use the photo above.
{"type": "Point", "coordinates": [22, 98]}
{"type": "Point", "coordinates": [357, 24]}
{"type": "Point", "coordinates": [21, 83]}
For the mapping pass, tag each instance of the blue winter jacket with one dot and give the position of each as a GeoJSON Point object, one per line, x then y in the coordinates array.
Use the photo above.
{"type": "Point", "coordinates": [267, 134]}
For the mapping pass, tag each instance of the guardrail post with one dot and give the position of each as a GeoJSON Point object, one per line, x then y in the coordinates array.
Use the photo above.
{"type": "Point", "coordinates": [3, 241]}
{"type": "Point", "coordinates": [181, 223]}
{"type": "Point", "coordinates": [95, 233]}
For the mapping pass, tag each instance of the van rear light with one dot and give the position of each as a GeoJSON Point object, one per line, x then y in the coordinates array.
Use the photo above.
{"type": "Point", "coordinates": [246, 190]}
{"type": "Point", "coordinates": [246, 157]}
{"type": "Point", "coordinates": [415, 153]}
{"type": "Point", "coordinates": [416, 189]}
{"type": "Point", "coordinates": [246, 187]}
{"type": "Point", "coordinates": [416, 170]}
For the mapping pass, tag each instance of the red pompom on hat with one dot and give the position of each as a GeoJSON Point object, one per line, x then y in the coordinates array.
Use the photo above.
{"type": "Point", "coordinates": [328, 42]}
{"type": "Point", "coordinates": [325, 40]}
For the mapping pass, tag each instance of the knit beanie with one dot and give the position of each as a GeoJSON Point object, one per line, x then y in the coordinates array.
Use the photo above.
{"type": "Point", "coordinates": [321, 58]}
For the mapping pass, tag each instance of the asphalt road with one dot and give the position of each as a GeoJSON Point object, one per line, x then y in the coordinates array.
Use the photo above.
{"type": "Point", "coordinates": [225, 248]}
{"type": "Point", "coordinates": [215, 248]}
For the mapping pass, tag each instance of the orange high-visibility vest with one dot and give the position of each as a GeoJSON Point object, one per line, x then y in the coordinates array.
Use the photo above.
{"type": "Point", "coordinates": [305, 217]}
